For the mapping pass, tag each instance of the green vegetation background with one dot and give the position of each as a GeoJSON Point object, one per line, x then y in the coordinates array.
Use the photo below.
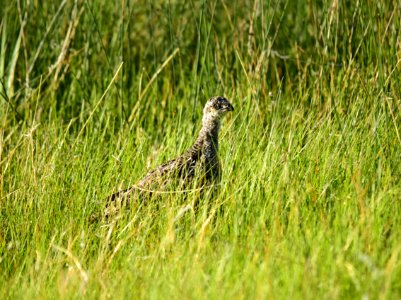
{"type": "Point", "coordinates": [95, 93]}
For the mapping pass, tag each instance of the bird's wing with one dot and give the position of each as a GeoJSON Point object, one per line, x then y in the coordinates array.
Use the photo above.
{"type": "Point", "coordinates": [169, 175]}
{"type": "Point", "coordinates": [173, 175]}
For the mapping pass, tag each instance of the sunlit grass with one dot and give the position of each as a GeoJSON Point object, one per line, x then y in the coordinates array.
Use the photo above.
{"type": "Point", "coordinates": [309, 203]}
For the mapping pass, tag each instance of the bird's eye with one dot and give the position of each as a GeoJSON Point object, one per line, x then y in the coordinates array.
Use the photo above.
{"type": "Point", "coordinates": [220, 103]}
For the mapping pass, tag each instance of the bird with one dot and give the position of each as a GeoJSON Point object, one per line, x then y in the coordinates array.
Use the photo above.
{"type": "Point", "coordinates": [197, 167]}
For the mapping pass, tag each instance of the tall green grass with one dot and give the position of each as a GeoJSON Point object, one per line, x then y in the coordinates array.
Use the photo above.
{"type": "Point", "coordinates": [95, 93]}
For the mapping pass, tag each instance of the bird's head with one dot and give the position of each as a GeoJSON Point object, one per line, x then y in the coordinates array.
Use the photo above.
{"type": "Point", "coordinates": [216, 108]}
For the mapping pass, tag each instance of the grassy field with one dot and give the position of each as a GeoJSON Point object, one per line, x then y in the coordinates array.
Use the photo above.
{"type": "Point", "coordinates": [96, 93]}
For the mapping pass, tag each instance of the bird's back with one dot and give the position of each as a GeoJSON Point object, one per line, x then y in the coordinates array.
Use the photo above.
{"type": "Point", "coordinates": [174, 175]}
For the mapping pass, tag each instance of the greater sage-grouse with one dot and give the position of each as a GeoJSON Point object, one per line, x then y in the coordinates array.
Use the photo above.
{"type": "Point", "coordinates": [197, 167]}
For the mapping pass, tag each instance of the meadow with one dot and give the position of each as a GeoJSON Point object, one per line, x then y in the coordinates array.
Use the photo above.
{"type": "Point", "coordinates": [94, 94]}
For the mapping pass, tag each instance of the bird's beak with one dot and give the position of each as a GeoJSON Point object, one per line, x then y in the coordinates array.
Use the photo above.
{"type": "Point", "coordinates": [229, 107]}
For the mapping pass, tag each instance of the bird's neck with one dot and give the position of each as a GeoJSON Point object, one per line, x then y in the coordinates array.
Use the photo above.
{"type": "Point", "coordinates": [208, 139]}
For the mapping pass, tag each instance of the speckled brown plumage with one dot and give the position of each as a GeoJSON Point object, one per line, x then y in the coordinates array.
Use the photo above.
{"type": "Point", "coordinates": [200, 161]}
